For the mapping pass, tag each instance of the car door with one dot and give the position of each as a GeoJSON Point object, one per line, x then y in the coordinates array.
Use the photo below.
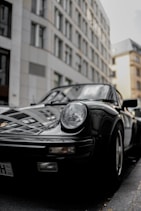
{"type": "Point", "coordinates": [127, 120]}
{"type": "Point", "coordinates": [128, 125]}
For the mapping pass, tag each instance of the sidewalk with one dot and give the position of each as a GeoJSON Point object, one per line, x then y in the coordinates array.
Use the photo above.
{"type": "Point", "coordinates": [128, 197]}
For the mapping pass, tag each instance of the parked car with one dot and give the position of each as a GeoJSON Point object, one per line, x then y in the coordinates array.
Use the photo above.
{"type": "Point", "coordinates": [137, 112]}
{"type": "Point", "coordinates": [72, 129]}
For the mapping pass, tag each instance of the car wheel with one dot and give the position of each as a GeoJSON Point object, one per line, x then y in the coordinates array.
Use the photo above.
{"type": "Point", "coordinates": [116, 156]}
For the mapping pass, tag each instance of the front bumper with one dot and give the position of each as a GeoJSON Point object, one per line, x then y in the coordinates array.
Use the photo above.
{"type": "Point", "coordinates": [30, 156]}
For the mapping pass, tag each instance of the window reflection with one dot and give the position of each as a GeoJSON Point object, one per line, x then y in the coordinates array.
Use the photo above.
{"type": "Point", "coordinates": [5, 18]}
{"type": "Point", "coordinates": [78, 92]}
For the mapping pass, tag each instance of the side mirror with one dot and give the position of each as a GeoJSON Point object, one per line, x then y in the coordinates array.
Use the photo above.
{"type": "Point", "coordinates": [129, 103]}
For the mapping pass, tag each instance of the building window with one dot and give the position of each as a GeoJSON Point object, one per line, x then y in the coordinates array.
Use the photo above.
{"type": "Point", "coordinates": [58, 20]}
{"type": "Point", "coordinates": [84, 7]}
{"type": "Point", "coordinates": [60, 2]}
{"type": "Point", "coordinates": [90, 17]}
{"type": "Point", "coordinates": [42, 8]}
{"type": "Point", "coordinates": [4, 75]}
{"type": "Point", "coordinates": [137, 59]}
{"type": "Point", "coordinates": [5, 19]}
{"type": "Point", "coordinates": [41, 36]}
{"type": "Point", "coordinates": [78, 18]}
{"type": "Point", "coordinates": [37, 35]}
{"type": "Point", "coordinates": [97, 76]}
{"type": "Point", "coordinates": [92, 54]}
{"type": "Point", "coordinates": [68, 81]}
{"type": "Point", "coordinates": [68, 55]}
{"type": "Point", "coordinates": [96, 42]}
{"type": "Point", "coordinates": [102, 65]}
{"type": "Point", "coordinates": [34, 6]}
{"type": "Point", "coordinates": [68, 30]}
{"type": "Point", "coordinates": [91, 36]}
{"type": "Point", "coordinates": [85, 27]}
{"type": "Point", "coordinates": [38, 7]}
{"type": "Point", "coordinates": [138, 72]}
{"type": "Point", "coordinates": [57, 79]}
{"type": "Point", "coordinates": [85, 68]}
{"type": "Point", "coordinates": [96, 59]}
{"type": "Point", "coordinates": [78, 2]}
{"type": "Point", "coordinates": [33, 34]}
{"type": "Point", "coordinates": [93, 74]}
{"type": "Point", "coordinates": [138, 85]}
{"type": "Point", "coordinates": [78, 63]}
{"type": "Point", "coordinates": [58, 50]}
{"type": "Point", "coordinates": [4, 66]}
{"type": "Point", "coordinates": [95, 6]}
{"type": "Point", "coordinates": [85, 47]}
{"type": "Point", "coordinates": [78, 40]}
{"type": "Point", "coordinates": [68, 7]}
{"type": "Point", "coordinates": [113, 61]}
{"type": "Point", "coordinates": [113, 74]}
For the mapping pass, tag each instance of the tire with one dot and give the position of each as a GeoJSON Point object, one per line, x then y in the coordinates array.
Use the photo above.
{"type": "Point", "coordinates": [116, 157]}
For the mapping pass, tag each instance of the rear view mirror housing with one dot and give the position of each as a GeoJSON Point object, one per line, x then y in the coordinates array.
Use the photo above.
{"type": "Point", "coordinates": [130, 103]}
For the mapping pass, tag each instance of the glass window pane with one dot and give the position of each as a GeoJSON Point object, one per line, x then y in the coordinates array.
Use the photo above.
{"type": "Point", "coordinates": [5, 19]}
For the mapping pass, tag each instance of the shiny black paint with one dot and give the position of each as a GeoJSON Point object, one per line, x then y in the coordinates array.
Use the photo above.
{"type": "Point", "coordinates": [27, 133]}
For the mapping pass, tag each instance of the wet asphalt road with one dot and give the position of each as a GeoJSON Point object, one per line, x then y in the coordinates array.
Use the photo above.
{"type": "Point", "coordinates": [34, 195]}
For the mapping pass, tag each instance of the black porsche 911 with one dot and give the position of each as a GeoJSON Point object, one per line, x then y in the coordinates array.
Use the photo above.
{"type": "Point", "coordinates": [72, 129]}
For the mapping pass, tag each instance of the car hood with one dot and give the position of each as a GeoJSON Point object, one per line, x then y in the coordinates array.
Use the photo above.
{"type": "Point", "coordinates": [41, 119]}
{"type": "Point", "coordinates": [33, 120]}
{"type": "Point", "coordinates": [3, 109]}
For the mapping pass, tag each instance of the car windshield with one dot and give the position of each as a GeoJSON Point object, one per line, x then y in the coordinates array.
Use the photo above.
{"type": "Point", "coordinates": [77, 92]}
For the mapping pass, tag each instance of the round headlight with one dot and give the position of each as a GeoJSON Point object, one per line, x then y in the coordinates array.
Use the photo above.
{"type": "Point", "coordinates": [73, 115]}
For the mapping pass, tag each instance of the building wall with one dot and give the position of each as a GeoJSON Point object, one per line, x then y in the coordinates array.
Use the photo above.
{"type": "Point", "coordinates": [35, 67]}
{"type": "Point", "coordinates": [127, 68]}
{"type": "Point", "coordinates": [13, 44]}
{"type": "Point", "coordinates": [123, 79]}
{"type": "Point", "coordinates": [135, 68]}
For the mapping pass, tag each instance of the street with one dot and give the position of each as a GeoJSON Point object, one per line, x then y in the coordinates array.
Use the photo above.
{"type": "Point", "coordinates": [46, 196]}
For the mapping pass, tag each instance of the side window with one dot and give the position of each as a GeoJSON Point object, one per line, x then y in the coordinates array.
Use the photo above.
{"type": "Point", "coordinates": [119, 98]}
{"type": "Point", "coordinates": [112, 96]}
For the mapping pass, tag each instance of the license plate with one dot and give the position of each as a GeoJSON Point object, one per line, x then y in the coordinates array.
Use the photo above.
{"type": "Point", "coordinates": [6, 169]}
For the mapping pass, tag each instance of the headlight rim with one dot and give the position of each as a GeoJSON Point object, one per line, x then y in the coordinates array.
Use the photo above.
{"type": "Point", "coordinates": [78, 127]}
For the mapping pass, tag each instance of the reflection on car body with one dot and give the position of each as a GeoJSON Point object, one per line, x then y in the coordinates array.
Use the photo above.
{"type": "Point", "coordinates": [70, 130]}
{"type": "Point", "coordinates": [137, 112]}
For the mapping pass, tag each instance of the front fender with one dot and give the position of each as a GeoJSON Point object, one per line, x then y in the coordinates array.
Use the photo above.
{"type": "Point", "coordinates": [103, 123]}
